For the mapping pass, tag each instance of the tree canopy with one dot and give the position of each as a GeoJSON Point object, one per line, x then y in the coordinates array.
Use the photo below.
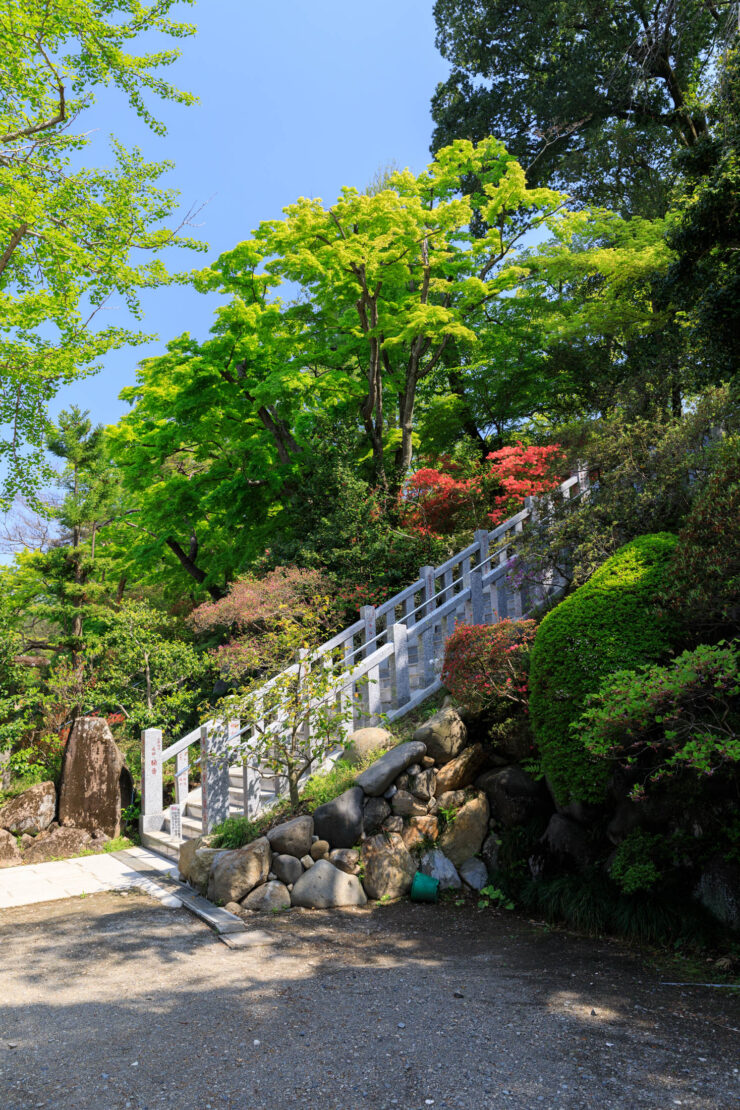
{"type": "Point", "coordinates": [594, 98]}
{"type": "Point", "coordinates": [67, 230]}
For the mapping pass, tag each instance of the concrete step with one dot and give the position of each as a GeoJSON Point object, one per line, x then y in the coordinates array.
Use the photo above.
{"type": "Point", "coordinates": [194, 808]}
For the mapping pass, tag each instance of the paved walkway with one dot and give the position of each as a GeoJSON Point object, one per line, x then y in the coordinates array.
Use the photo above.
{"type": "Point", "coordinates": [68, 878]}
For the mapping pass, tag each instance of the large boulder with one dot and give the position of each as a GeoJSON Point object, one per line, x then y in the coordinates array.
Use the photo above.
{"type": "Point", "coordinates": [292, 838]}
{"type": "Point", "coordinates": [326, 886]}
{"type": "Point", "coordinates": [465, 835]}
{"type": "Point", "coordinates": [718, 890]}
{"type": "Point", "coordinates": [272, 897]}
{"type": "Point", "coordinates": [95, 782]}
{"type": "Point", "coordinates": [380, 775]}
{"type": "Point", "coordinates": [10, 855]}
{"type": "Point", "coordinates": [567, 842]}
{"type": "Point", "coordinates": [363, 741]}
{"type": "Point", "coordinates": [444, 735]}
{"type": "Point", "coordinates": [421, 784]}
{"type": "Point", "coordinates": [61, 843]}
{"type": "Point", "coordinates": [513, 795]}
{"type": "Point", "coordinates": [460, 771]}
{"type": "Point", "coordinates": [234, 874]}
{"type": "Point", "coordinates": [288, 869]}
{"type": "Point", "coordinates": [346, 859]}
{"type": "Point", "coordinates": [437, 866]}
{"type": "Point", "coordinates": [452, 799]}
{"type": "Point", "coordinates": [340, 820]}
{"type": "Point", "coordinates": [188, 848]}
{"type": "Point", "coordinates": [420, 831]}
{"type": "Point", "coordinates": [388, 866]}
{"type": "Point", "coordinates": [32, 811]}
{"type": "Point", "coordinates": [375, 812]}
{"type": "Point", "coordinates": [201, 863]}
{"type": "Point", "coordinates": [474, 873]}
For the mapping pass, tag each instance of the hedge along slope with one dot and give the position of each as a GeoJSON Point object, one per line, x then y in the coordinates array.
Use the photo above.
{"type": "Point", "coordinates": [611, 623]}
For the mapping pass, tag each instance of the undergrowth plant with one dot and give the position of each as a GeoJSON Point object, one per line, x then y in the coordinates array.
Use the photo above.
{"type": "Point", "coordinates": [660, 721]}
{"type": "Point", "coordinates": [235, 832]}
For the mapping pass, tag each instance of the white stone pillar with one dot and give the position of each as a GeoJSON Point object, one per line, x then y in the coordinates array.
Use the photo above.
{"type": "Point", "coordinates": [152, 816]}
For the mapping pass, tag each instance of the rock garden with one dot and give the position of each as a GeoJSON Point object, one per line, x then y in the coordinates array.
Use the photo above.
{"type": "Point", "coordinates": [84, 815]}
{"type": "Point", "coordinates": [430, 805]}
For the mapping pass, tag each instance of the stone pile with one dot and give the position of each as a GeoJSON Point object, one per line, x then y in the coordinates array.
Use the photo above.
{"type": "Point", "coordinates": [422, 806]}
{"type": "Point", "coordinates": [38, 826]}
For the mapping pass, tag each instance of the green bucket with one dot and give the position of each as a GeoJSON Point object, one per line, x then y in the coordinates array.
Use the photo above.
{"type": "Point", "coordinates": [424, 888]}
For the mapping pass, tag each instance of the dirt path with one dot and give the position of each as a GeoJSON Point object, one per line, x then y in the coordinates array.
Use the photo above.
{"type": "Point", "coordinates": [114, 1002]}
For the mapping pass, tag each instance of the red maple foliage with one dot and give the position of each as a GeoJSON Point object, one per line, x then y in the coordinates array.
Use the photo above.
{"type": "Point", "coordinates": [438, 501]}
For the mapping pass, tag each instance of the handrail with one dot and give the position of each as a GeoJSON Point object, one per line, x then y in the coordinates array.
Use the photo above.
{"type": "Point", "coordinates": [474, 595]}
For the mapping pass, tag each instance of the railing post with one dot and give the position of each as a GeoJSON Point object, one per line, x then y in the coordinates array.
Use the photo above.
{"type": "Point", "coordinates": [427, 639]}
{"type": "Point", "coordinates": [372, 689]}
{"type": "Point", "coordinates": [482, 538]}
{"type": "Point", "coordinates": [152, 816]}
{"type": "Point", "coordinates": [181, 777]}
{"type": "Point", "coordinates": [347, 692]}
{"type": "Point", "coordinates": [583, 480]}
{"type": "Point", "coordinates": [517, 601]}
{"type": "Point", "coordinates": [251, 777]}
{"type": "Point", "coordinates": [401, 664]}
{"type": "Point", "coordinates": [214, 765]}
{"type": "Point", "coordinates": [476, 596]}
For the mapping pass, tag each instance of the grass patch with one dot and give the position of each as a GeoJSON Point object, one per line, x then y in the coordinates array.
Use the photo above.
{"type": "Point", "coordinates": [591, 904]}
{"type": "Point", "coordinates": [235, 832]}
{"type": "Point", "coordinates": [116, 844]}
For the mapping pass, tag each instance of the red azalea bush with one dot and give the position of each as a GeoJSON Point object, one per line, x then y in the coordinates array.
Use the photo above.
{"type": "Point", "coordinates": [521, 472]}
{"type": "Point", "coordinates": [441, 501]}
{"type": "Point", "coordinates": [487, 663]}
{"type": "Point", "coordinates": [435, 502]}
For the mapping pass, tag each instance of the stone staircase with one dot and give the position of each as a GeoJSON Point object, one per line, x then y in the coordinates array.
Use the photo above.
{"type": "Point", "coordinates": [389, 663]}
{"type": "Point", "coordinates": [191, 814]}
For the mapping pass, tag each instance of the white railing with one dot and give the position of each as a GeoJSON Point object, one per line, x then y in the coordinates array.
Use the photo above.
{"type": "Point", "coordinates": [390, 662]}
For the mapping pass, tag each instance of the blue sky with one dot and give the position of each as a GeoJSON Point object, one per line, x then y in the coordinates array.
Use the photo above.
{"type": "Point", "coordinates": [295, 99]}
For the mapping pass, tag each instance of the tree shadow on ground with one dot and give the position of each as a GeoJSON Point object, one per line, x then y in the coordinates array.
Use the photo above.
{"type": "Point", "coordinates": [114, 1002]}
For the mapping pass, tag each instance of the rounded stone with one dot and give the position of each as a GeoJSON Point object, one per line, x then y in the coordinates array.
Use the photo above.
{"type": "Point", "coordinates": [326, 887]}
{"type": "Point", "coordinates": [287, 868]}
{"type": "Point", "coordinates": [271, 897]}
{"type": "Point", "coordinates": [320, 849]}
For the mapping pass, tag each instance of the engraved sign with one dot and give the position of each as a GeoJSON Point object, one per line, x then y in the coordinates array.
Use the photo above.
{"type": "Point", "coordinates": [175, 822]}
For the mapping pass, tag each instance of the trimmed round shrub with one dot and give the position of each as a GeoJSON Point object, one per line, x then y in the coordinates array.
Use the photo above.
{"type": "Point", "coordinates": [613, 622]}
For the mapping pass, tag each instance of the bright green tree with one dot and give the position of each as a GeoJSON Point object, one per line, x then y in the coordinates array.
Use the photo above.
{"type": "Point", "coordinates": [387, 282]}
{"type": "Point", "coordinates": [381, 285]}
{"type": "Point", "coordinates": [70, 234]}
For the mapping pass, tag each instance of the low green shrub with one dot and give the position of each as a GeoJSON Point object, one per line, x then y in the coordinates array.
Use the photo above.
{"type": "Point", "coordinates": [592, 904]}
{"type": "Point", "coordinates": [610, 623]}
{"type": "Point", "coordinates": [634, 866]}
{"type": "Point", "coordinates": [660, 721]}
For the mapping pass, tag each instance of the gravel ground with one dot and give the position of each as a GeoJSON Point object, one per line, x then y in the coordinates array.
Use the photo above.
{"type": "Point", "coordinates": [113, 1002]}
